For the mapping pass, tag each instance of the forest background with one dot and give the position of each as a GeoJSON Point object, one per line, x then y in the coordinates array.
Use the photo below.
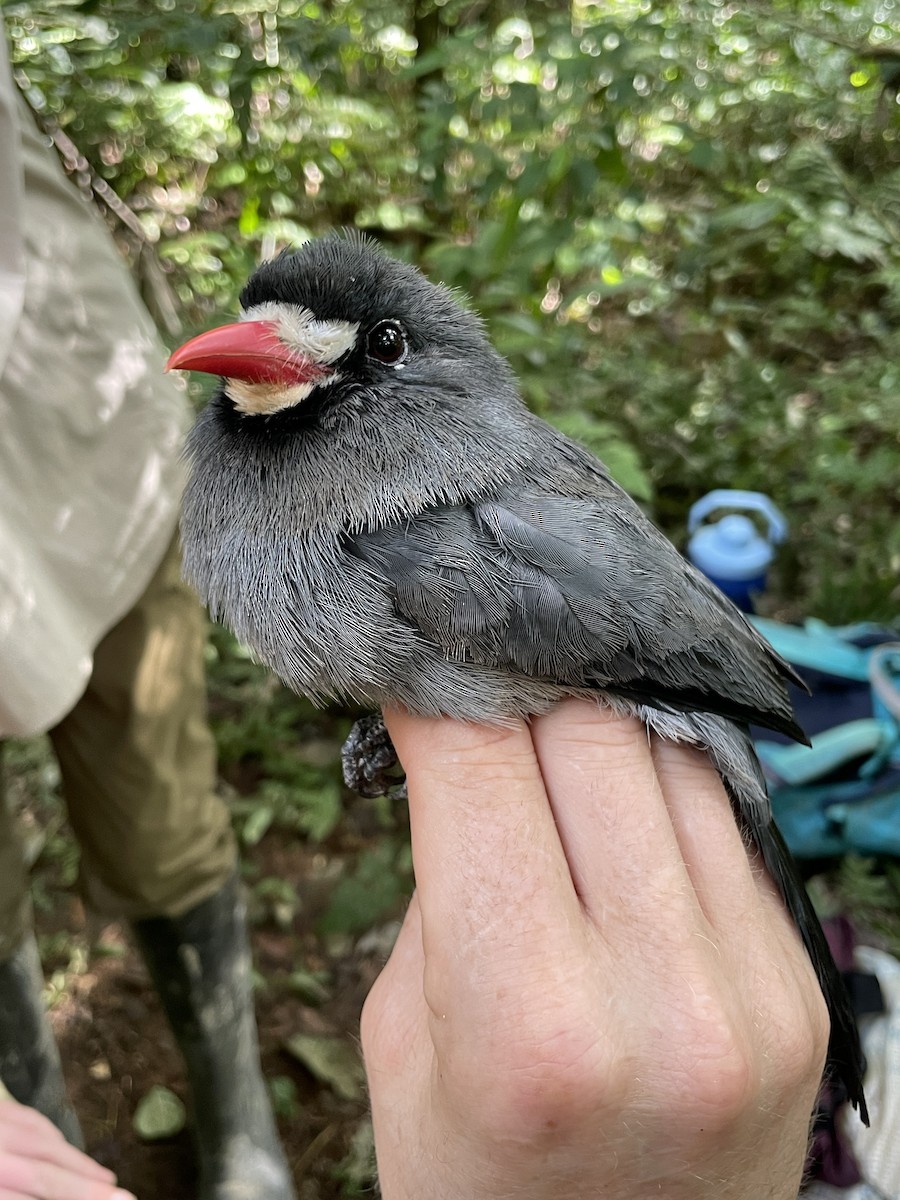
{"type": "Point", "coordinates": [681, 222]}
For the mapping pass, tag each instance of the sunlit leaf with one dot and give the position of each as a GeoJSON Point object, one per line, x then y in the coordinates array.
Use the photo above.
{"type": "Point", "coordinates": [333, 1061]}
{"type": "Point", "coordinates": [159, 1114]}
{"type": "Point", "coordinates": [256, 825]}
{"type": "Point", "coordinates": [753, 215]}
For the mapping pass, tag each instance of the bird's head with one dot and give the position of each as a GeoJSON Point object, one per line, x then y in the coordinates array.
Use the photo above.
{"type": "Point", "coordinates": [337, 326]}
{"type": "Point", "coordinates": [353, 392]}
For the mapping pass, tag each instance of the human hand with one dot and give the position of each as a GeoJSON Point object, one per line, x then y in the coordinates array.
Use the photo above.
{"type": "Point", "coordinates": [595, 992]}
{"type": "Point", "coordinates": [37, 1163]}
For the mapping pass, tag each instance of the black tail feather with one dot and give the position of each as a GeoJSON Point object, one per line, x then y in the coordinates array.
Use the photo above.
{"type": "Point", "coordinates": [845, 1057]}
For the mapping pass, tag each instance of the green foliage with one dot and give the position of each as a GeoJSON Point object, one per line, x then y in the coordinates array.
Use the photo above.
{"type": "Point", "coordinates": [332, 1060]}
{"type": "Point", "coordinates": [159, 1114]}
{"type": "Point", "coordinates": [679, 219]}
{"type": "Point", "coordinates": [31, 781]}
{"type": "Point", "coordinates": [307, 803]}
{"type": "Point", "coordinates": [357, 1173]}
{"type": "Point", "coordinates": [264, 733]}
{"type": "Point", "coordinates": [374, 889]}
{"type": "Point", "coordinates": [871, 891]}
{"type": "Point", "coordinates": [602, 438]}
{"type": "Point", "coordinates": [274, 898]}
{"type": "Point", "coordinates": [32, 773]}
{"type": "Point", "coordinates": [285, 1103]}
{"type": "Point", "coordinates": [310, 986]}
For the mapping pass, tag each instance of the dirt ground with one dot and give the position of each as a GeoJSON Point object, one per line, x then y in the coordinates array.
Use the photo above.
{"type": "Point", "coordinates": [116, 1044]}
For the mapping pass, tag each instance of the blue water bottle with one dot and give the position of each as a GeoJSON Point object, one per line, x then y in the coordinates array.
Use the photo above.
{"type": "Point", "coordinates": [731, 551]}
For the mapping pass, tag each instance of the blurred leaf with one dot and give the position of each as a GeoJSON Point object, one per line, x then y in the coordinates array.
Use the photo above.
{"type": "Point", "coordinates": [310, 986]}
{"type": "Point", "coordinates": [358, 1169]}
{"type": "Point", "coordinates": [256, 824]}
{"type": "Point", "coordinates": [159, 1114]}
{"type": "Point", "coordinates": [753, 215]}
{"type": "Point", "coordinates": [283, 1091]}
{"type": "Point", "coordinates": [860, 247]}
{"type": "Point", "coordinates": [376, 886]}
{"type": "Point", "coordinates": [249, 219]}
{"type": "Point", "coordinates": [333, 1061]}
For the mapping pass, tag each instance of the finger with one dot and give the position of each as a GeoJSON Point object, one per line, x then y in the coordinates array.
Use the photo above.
{"type": "Point", "coordinates": [97, 1192]}
{"type": "Point", "coordinates": [394, 1012]}
{"type": "Point", "coordinates": [36, 1146]}
{"type": "Point", "coordinates": [29, 1134]}
{"type": "Point", "coordinates": [612, 818]}
{"type": "Point", "coordinates": [70, 1159]}
{"type": "Point", "coordinates": [726, 869]}
{"type": "Point", "coordinates": [757, 941]}
{"type": "Point", "coordinates": [711, 842]}
{"type": "Point", "coordinates": [38, 1179]}
{"type": "Point", "coordinates": [14, 1115]}
{"type": "Point", "coordinates": [486, 853]}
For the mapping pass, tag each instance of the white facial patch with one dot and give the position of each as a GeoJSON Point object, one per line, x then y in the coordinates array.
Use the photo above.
{"type": "Point", "coordinates": [323, 342]}
{"type": "Point", "coordinates": [260, 399]}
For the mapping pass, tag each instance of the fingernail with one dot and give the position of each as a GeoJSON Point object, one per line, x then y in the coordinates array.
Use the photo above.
{"type": "Point", "coordinates": [118, 1194]}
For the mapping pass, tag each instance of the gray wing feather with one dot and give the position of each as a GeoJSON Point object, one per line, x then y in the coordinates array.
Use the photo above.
{"type": "Point", "coordinates": [582, 594]}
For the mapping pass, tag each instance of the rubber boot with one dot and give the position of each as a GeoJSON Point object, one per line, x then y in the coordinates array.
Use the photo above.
{"type": "Point", "coordinates": [200, 963]}
{"type": "Point", "coordinates": [29, 1059]}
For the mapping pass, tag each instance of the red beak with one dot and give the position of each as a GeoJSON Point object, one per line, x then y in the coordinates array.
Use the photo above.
{"type": "Point", "coordinates": [248, 350]}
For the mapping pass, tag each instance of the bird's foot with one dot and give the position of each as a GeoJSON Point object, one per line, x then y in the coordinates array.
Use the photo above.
{"type": "Point", "coordinates": [369, 760]}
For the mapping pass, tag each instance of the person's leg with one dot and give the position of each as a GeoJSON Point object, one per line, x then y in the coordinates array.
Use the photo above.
{"type": "Point", "coordinates": [30, 1068]}
{"type": "Point", "coordinates": [201, 965]}
{"type": "Point", "coordinates": [138, 762]}
{"type": "Point", "coordinates": [138, 766]}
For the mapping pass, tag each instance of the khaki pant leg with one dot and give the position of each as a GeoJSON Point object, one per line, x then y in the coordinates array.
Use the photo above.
{"type": "Point", "coordinates": [15, 898]}
{"type": "Point", "coordinates": [138, 762]}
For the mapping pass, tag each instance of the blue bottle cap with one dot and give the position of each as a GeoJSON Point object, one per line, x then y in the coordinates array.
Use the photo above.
{"type": "Point", "coordinates": [730, 549]}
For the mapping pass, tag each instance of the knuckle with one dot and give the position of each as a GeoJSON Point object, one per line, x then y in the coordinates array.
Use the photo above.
{"type": "Point", "coordinates": [723, 1086]}
{"type": "Point", "coordinates": [479, 758]}
{"type": "Point", "coordinates": [820, 1028]}
{"type": "Point", "coordinates": [799, 1060]}
{"type": "Point", "coordinates": [801, 1034]}
{"type": "Point", "coordinates": [585, 725]}
{"type": "Point", "coordinates": [548, 1080]}
{"type": "Point", "coordinates": [682, 763]}
{"type": "Point", "coordinates": [715, 1068]}
{"type": "Point", "coordinates": [370, 1023]}
{"type": "Point", "coordinates": [382, 1038]}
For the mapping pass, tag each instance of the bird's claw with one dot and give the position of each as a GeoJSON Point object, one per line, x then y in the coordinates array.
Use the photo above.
{"type": "Point", "coordinates": [369, 760]}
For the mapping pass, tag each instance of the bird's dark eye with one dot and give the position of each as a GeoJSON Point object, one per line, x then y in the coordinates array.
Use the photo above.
{"type": "Point", "coordinates": [386, 342]}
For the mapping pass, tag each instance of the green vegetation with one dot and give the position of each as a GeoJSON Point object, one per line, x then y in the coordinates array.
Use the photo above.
{"type": "Point", "coordinates": [680, 218]}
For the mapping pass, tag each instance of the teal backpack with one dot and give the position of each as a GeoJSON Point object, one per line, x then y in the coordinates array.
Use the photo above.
{"type": "Point", "coordinates": [842, 794]}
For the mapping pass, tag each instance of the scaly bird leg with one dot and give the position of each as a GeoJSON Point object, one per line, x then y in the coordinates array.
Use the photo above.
{"type": "Point", "coordinates": [369, 760]}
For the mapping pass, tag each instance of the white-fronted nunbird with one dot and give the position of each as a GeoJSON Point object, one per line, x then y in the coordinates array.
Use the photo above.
{"type": "Point", "coordinates": [376, 513]}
